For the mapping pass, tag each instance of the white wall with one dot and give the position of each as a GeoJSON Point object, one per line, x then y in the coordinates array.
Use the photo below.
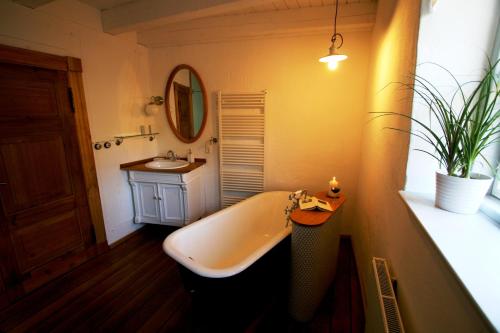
{"type": "Point", "coordinates": [460, 37]}
{"type": "Point", "coordinates": [314, 118]}
{"type": "Point", "coordinates": [116, 83]}
{"type": "Point", "coordinates": [429, 294]}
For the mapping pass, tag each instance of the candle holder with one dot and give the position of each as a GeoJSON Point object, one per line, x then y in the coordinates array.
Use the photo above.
{"type": "Point", "coordinates": [333, 188]}
{"type": "Point", "coordinates": [333, 192]}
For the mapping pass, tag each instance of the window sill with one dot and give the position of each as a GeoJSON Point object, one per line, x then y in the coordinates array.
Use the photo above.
{"type": "Point", "coordinates": [471, 246]}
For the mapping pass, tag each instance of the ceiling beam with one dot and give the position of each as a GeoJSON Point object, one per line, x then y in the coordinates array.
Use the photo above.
{"type": "Point", "coordinates": [292, 22]}
{"type": "Point", "coordinates": [148, 14]}
{"type": "Point", "coordinates": [32, 3]}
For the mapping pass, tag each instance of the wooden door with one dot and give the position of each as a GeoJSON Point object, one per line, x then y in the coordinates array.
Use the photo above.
{"type": "Point", "coordinates": [184, 109]}
{"type": "Point", "coordinates": [45, 224]}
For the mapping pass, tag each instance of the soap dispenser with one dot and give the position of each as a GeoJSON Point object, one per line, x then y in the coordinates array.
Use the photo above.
{"type": "Point", "coordinates": [190, 156]}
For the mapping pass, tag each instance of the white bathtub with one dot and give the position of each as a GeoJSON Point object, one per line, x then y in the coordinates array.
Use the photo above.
{"type": "Point", "coordinates": [229, 241]}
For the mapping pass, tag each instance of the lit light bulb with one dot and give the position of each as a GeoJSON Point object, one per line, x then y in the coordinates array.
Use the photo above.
{"type": "Point", "coordinates": [332, 60]}
{"type": "Point", "coordinates": [332, 65]}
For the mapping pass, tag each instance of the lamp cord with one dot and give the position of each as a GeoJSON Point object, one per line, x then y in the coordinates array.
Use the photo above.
{"type": "Point", "coordinates": [335, 34]}
{"type": "Point", "coordinates": [335, 19]}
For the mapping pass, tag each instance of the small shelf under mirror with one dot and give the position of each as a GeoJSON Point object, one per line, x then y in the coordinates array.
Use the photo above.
{"type": "Point", "coordinates": [117, 140]}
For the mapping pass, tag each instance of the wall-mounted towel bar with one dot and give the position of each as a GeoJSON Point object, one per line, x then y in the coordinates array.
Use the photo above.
{"type": "Point", "coordinates": [118, 139]}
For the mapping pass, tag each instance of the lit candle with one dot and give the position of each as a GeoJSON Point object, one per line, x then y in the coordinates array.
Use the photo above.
{"type": "Point", "coordinates": [334, 183]}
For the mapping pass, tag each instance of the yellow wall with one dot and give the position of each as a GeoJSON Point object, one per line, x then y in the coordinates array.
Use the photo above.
{"type": "Point", "coordinates": [316, 129]}
{"type": "Point", "coordinates": [314, 116]}
{"type": "Point", "coordinates": [430, 297]}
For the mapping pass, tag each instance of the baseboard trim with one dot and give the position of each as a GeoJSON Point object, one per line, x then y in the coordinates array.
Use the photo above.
{"type": "Point", "coordinates": [125, 238]}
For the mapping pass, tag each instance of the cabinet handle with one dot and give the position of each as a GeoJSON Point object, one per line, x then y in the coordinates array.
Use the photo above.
{"type": "Point", "coordinates": [155, 198]}
{"type": "Point", "coordinates": [159, 198]}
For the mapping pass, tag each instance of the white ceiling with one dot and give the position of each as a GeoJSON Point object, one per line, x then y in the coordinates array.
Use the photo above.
{"type": "Point", "coordinates": [160, 23]}
{"type": "Point", "coordinates": [293, 4]}
{"type": "Point", "coordinates": [273, 5]}
{"type": "Point", "coordinates": [180, 22]}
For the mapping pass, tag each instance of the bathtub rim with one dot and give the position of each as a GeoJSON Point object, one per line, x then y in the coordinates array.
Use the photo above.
{"type": "Point", "coordinates": [198, 268]}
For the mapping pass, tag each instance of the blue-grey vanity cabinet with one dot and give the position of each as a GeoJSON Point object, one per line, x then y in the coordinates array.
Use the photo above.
{"type": "Point", "coordinates": [167, 198]}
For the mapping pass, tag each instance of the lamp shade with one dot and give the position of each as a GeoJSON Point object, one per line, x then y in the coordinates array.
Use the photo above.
{"type": "Point", "coordinates": [333, 57]}
{"type": "Point", "coordinates": [153, 107]}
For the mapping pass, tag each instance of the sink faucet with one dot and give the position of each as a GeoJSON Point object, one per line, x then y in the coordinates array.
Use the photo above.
{"type": "Point", "coordinates": [171, 155]}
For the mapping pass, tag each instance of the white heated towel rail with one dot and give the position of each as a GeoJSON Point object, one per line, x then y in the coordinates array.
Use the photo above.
{"type": "Point", "coordinates": [241, 145]}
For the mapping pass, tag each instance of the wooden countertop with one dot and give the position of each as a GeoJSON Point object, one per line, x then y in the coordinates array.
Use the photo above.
{"type": "Point", "coordinates": [141, 166]}
{"type": "Point", "coordinates": [317, 217]}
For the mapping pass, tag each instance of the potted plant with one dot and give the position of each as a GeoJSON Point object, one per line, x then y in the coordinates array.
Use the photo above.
{"type": "Point", "coordinates": [467, 123]}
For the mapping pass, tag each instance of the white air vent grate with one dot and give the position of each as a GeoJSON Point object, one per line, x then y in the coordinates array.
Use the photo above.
{"type": "Point", "coordinates": [389, 305]}
{"type": "Point", "coordinates": [241, 145]}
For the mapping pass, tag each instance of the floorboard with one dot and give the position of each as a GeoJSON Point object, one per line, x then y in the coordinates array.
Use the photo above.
{"type": "Point", "coordinates": [135, 287]}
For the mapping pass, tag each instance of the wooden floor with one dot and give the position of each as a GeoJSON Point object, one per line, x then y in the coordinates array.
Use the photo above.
{"type": "Point", "coordinates": [135, 287]}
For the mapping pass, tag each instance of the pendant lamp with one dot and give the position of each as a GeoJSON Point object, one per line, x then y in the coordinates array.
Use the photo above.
{"type": "Point", "coordinates": [333, 56]}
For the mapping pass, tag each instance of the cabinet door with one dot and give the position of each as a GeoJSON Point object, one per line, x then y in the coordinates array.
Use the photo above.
{"type": "Point", "coordinates": [149, 208]}
{"type": "Point", "coordinates": [172, 204]}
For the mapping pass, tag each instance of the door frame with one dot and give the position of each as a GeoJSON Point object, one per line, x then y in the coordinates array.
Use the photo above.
{"type": "Point", "coordinates": [73, 67]}
{"type": "Point", "coordinates": [177, 88]}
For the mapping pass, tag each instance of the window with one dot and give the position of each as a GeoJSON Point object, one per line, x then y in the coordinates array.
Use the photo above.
{"type": "Point", "coordinates": [496, 55]}
{"type": "Point", "coordinates": [496, 185]}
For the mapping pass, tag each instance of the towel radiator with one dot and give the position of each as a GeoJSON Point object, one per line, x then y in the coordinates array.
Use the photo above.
{"type": "Point", "coordinates": [241, 145]}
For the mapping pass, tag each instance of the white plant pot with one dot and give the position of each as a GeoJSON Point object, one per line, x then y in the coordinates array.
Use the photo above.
{"type": "Point", "coordinates": [461, 195]}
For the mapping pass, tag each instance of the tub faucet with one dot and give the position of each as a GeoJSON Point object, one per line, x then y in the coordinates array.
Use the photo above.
{"type": "Point", "coordinates": [294, 197]}
{"type": "Point", "coordinates": [171, 155]}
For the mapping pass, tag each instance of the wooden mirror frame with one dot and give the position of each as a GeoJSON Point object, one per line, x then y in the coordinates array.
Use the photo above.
{"type": "Point", "coordinates": [173, 127]}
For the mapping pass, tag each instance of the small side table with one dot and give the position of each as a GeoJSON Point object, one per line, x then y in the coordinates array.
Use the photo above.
{"type": "Point", "coordinates": [315, 245]}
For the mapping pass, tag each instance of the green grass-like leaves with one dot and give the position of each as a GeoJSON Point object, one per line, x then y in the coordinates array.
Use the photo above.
{"type": "Point", "coordinates": [463, 132]}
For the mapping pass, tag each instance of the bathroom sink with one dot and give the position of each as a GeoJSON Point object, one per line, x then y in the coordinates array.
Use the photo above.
{"type": "Point", "coordinates": [165, 164]}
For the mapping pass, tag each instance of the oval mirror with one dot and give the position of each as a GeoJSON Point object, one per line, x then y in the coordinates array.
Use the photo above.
{"type": "Point", "coordinates": [186, 103]}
